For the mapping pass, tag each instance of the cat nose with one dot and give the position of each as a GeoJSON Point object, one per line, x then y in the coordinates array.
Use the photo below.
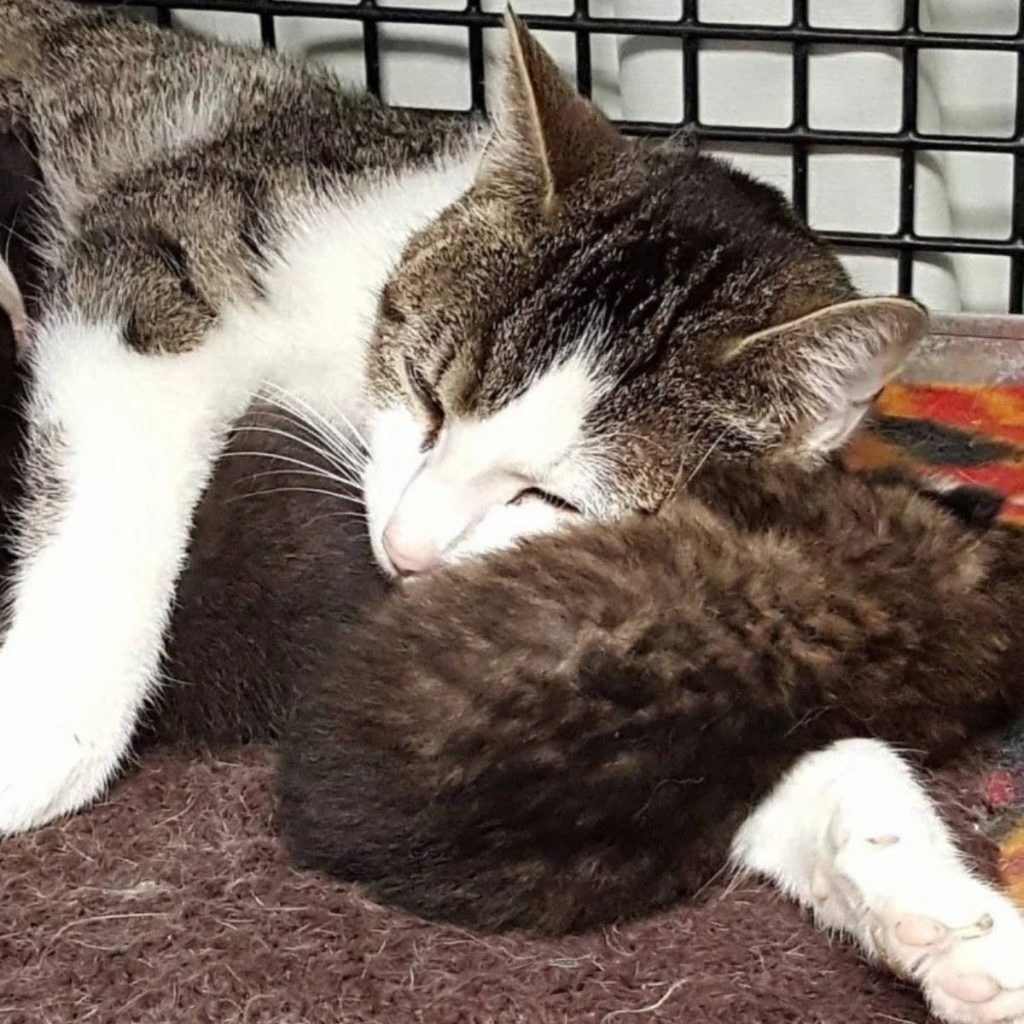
{"type": "Point", "coordinates": [409, 556]}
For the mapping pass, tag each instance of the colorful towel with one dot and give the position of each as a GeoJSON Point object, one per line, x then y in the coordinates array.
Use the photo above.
{"type": "Point", "coordinates": [972, 433]}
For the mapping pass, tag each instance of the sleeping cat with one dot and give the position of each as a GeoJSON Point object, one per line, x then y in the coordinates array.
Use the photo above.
{"type": "Point", "coordinates": [533, 329]}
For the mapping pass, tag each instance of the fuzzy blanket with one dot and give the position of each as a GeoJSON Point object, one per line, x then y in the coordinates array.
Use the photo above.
{"type": "Point", "coordinates": [171, 902]}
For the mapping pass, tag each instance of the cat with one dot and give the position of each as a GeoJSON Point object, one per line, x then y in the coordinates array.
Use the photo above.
{"type": "Point", "coordinates": [275, 566]}
{"type": "Point", "coordinates": [532, 327]}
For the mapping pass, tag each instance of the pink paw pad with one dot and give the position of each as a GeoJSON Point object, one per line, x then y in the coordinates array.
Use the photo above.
{"type": "Point", "coordinates": [972, 988]}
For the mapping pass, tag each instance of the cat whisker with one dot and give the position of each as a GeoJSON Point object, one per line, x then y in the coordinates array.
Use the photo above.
{"type": "Point", "coordinates": [291, 472]}
{"type": "Point", "coordinates": [14, 235]}
{"type": "Point", "coordinates": [704, 458]}
{"type": "Point", "coordinates": [304, 490]}
{"type": "Point", "coordinates": [328, 430]}
{"type": "Point", "coordinates": [313, 411]}
{"type": "Point", "coordinates": [271, 409]}
{"type": "Point", "coordinates": [276, 406]}
{"type": "Point", "coordinates": [307, 467]}
{"type": "Point", "coordinates": [679, 483]}
{"type": "Point", "coordinates": [333, 447]}
{"type": "Point", "coordinates": [353, 514]}
{"type": "Point", "coordinates": [330, 458]}
{"type": "Point", "coordinates": [352, 428]}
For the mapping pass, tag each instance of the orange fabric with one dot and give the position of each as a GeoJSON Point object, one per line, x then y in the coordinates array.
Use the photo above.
{"type": "Point", "coordinates": [984, 413]}
{"type": "Point", "coordinates": [1011, 863]}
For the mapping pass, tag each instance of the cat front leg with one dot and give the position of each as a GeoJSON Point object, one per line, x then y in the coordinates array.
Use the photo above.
{"type": "Point", "coordinates": [121, 446]}
{"type": "Point", "coordinates": [852, 835]}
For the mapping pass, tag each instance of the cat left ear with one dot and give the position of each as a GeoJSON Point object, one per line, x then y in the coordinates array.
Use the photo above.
{"type": "Point", "coordinates": [813, 379]}
{"type": "Point", "coordinates": [547, 136]}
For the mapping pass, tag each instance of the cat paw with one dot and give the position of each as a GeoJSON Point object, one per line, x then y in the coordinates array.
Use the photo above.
{"type": "Point", "coordinates": [921, 912]}
{"type": "Point", "coordinates": [47, 770]}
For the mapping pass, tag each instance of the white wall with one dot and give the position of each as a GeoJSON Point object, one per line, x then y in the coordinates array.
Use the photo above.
{"type": "Point", "coordinates": [641, 78]}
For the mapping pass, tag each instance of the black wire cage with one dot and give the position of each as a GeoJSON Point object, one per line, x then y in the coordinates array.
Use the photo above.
{"type": "Point", "coordinates": [801, 38]}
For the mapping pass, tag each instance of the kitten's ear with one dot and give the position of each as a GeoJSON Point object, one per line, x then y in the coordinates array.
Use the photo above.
{"type": "Point", "coordinates": [812, 380]}
{"type": "Point", "coordinates": [546, 135]}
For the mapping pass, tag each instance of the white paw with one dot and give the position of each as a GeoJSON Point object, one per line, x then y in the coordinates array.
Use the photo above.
{"type": "Point", "coordinates": [52, 760]}
{"type": "Point", "coordinates": [920, 911]}
{"type": "Point", "coordinates": [44, 776]}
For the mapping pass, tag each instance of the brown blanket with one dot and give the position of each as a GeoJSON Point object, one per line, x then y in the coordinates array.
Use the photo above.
{"type": "Point", "coordinates": [172, 902]}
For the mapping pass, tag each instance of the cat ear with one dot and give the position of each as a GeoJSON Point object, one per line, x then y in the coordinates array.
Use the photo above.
{"type": "Point", "coordinates": [813, 379]}
{"type": "Point", "coordinates": [546, 135]}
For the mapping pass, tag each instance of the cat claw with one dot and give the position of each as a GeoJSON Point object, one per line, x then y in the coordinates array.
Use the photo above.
{"type": "Point", "coordinates": [920, 911]}
{"type": "Point", "coordinates": [917, 930]}
{"type": "Point", "coordinates": [12, 304]}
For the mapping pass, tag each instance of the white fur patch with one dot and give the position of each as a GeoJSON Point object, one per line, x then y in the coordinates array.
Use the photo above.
{"type": "Point", "coordinates": [323, 290]}
{"type": "Point", "coordinates": [91, 601]}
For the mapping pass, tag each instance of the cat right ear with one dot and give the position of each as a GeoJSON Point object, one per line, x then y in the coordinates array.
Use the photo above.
{"type": "Point", "coordinates": [546, 135]}
{"type": "Point", "coordinates": [808, 383]}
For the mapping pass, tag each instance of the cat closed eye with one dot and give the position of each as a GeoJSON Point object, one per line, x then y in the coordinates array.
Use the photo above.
{"type": "Point", "coordinates": [536, 494]}
{"type": "Point", "coordinates": [427, 399]}
{"type": "Point", "coordinates": [388, 308]}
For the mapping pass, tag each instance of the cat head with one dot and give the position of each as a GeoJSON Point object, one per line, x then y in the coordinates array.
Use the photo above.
{"type": "Point", "coordinates": [594, 319]}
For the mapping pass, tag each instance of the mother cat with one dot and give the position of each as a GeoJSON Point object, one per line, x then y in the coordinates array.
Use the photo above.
{"type": "Point", "coordinates": [549, 325]}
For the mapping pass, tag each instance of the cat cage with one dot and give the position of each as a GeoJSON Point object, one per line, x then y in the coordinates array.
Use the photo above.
{"type": "Point", "coordinates": [896, 127]}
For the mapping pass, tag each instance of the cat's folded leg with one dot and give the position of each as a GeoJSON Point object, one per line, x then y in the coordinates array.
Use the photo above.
{"type": "Point", "coordinates": [851, 834]}
{"type": "Point", "coordinates": [121, 447]}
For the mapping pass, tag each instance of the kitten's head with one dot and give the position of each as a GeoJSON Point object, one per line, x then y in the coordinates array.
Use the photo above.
{"type": "Point", "coordinates": [590, 321]}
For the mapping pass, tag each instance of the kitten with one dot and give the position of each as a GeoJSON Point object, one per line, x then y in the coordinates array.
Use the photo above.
{"type": "Point", "coordinates": [547, 325]}
{"type": "Point", "coordinates": [278, 561]}
{"type": "Point", "coordinates": [574, 731]}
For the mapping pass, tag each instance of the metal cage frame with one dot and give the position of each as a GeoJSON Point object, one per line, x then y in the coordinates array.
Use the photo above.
{"type": "Point", "coordinates": [799, 137]}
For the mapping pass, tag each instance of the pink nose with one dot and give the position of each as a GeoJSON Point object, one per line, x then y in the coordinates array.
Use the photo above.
{"type": "Point", "coordinates": [409, 556]}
